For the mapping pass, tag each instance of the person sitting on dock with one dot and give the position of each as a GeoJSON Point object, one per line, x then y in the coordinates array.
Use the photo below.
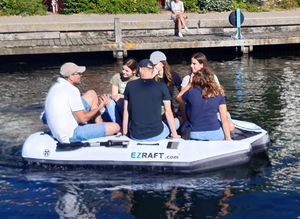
{"type": "Point", "coordinates": [178, 16]}
{"type": "Point", "coordinates": [142, 107]}
{"type": "Point", "coordinates": [67, 113]}
{"type": "Point", "coordinates": [206, 98]}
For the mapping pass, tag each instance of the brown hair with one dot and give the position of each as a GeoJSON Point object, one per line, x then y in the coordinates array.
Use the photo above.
{"type": "Point", "coordinates": [205, 80]}
{"type": "Point", "coordinates": [201, 58]}
{"type": "Point", "coordinates": [167, 74]}
{"type": "Point", "coordinates": [132, 64]}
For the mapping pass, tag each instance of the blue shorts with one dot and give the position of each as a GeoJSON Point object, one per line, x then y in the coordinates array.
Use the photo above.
{"type": "Point", "coordinates": [213, 135]}
{"type": "Point", "coordinates": [88, 131]}
{"type": "Point", "coordinates": [165, 133]}
{"type": "Point", "coordinates": [177, 124]}
{"type": "Point", "coordinates": [85, 132]}
{"type": "Point", "coordinates": [86, 106]}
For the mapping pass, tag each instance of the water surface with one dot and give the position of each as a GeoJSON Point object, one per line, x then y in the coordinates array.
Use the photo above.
{"type": "Point", "coordinates": [262, 88]}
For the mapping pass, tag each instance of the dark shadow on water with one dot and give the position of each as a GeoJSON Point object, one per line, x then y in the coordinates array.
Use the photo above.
{"type": "Point", "coordinates": [266, 52]}
{"type": "Point", "coordinates": [27, 63]}
{"type": "Point", "coordinates": [24, 63]}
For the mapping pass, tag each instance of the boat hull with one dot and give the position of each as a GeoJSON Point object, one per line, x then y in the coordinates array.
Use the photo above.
{"type": "Point", "coordinates": [168, 154]}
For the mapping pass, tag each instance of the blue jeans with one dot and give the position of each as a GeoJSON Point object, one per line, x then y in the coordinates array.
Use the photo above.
{"type": "Point", "coordinates": [113, 112]}
{"type": "Point", "coordinates": [162, 135]}
{"type": "Point", "coordinates": [88, 131]}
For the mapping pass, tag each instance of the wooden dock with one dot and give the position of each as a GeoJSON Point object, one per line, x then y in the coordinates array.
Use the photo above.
{"type": "Point", "coordinates": [119, 34]}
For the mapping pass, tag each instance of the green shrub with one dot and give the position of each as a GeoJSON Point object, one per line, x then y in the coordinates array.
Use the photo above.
{"type": "Point", "coordinates": [215, 5]}
{"type": "Point", "coordinates": [251, 7]}
{"type": "Point", "coordinates": [191, 5]}
{"type": "Point", "coordinates": [288, 4]}
{"type": "Point", "coordinates": [22, 7]}
{"type": "Point", "coordinates": [265, 5]}
{"type": "Point", "coordinates": [111, 6]}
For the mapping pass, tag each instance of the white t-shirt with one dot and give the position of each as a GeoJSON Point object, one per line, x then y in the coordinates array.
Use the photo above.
{"type": "Point", "coordinates": [177, 7]}
{"type": "Point", "coordinates": [186, 80]}
{"type": "Point", "coordinates": [62, 100]}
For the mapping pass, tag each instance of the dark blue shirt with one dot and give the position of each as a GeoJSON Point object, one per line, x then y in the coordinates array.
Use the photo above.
{"type": "Point", "coordinates": [203, 111]}
{"type": "Point", "coordinates": [145, 97]}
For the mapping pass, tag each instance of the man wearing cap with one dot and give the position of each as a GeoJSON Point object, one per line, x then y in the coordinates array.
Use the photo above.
{"type": "Point", "coordinates": [142, 107]}
{"type": "Point", "coordinates": [68, 113]}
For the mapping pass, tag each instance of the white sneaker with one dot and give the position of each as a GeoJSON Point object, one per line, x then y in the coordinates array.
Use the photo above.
{"type": "Point", "coordinates": [186, 29]}
{"type": "Point", "coordinates": [180, 34]}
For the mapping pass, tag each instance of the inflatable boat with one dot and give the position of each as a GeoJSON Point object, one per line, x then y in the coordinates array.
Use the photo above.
{"type": "Point", "coordinates": [168, 154]}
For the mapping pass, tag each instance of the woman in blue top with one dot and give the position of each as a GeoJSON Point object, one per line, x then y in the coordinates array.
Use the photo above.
{"type": "Point", "coordinates": [206, 99]}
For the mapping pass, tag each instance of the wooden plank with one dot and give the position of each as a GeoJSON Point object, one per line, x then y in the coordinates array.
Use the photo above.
{"type": "Point", "coordinates": [69, 42]}
{"type": "Point", "coordinates": [39, 43]}
{"type": "Point", "coordinates": [79, 41]}
{"type": "Point", "coordinates": [96, 41]}
{"type": "Point", "coordinates": [145, 43]}
{"type": "Point", "coordinates": [85, 41]}
{"type": "Point", "coordinates": [63, 42]}
{"type": "Point", "coordinates": [46, 43]}
{"type": "Point", "coordinates": [29, 36]}
{"type": "Point", "coordinates": [51, 42]}
{"type": "Point", "coordinates": [57, 42]}
{"type": "Point", "coordinates": [74, 41]}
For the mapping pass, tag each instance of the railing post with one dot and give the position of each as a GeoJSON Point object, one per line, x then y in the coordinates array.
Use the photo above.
{"type": "Point", "coordinates": [119, 53]}
{"type": "Point", "coordinates": [118, 30]}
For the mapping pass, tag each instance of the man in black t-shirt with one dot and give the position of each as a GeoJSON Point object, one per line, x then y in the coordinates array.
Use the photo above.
{"type": "Point", "coordinates": [142, 107]}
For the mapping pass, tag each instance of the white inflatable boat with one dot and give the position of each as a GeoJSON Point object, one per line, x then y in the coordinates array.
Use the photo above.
{"type": "Point", "coordinates": [169, 154]}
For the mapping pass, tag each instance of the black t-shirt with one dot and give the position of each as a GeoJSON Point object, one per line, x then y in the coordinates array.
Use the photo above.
{"type": "Point", "coordinates": [145, 97]}
{"type": "Point", "coordinates": [176, 83]}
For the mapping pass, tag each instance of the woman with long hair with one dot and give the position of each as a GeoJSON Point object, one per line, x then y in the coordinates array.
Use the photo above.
{"type": "Point", "coordinates": [164, 74]}
{"type": "Point", "coordinates": [199, 62]}
{"type": "Point", "coordinates": [206, 99]}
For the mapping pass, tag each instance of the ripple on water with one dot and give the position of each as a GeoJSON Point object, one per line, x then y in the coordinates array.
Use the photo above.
{"type": "Point", "coordinates": [263, 91]}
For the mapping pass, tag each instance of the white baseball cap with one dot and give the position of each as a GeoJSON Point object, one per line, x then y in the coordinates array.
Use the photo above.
{"type": "Point", "coordinates": [70, 68]}
{"type": "Point", "coordinates": [157, 57]}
